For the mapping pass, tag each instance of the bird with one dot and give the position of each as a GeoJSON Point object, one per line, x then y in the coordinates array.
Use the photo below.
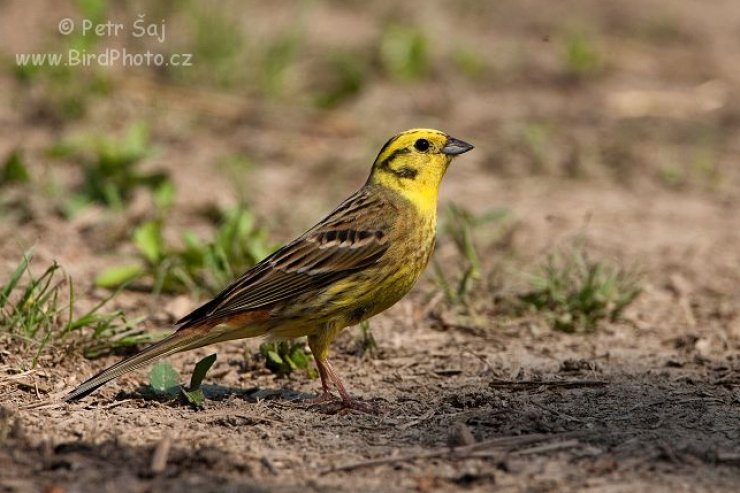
{"type": "Point", "coordinates": [355, 263]}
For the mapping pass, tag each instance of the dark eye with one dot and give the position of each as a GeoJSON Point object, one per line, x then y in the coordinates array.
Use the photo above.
{"type": "Point", "coordinates": [421, 145]}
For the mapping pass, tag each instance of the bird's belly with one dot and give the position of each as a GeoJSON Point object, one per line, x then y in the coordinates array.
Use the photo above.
{"type": "Point", "coordinates": [378, 289]}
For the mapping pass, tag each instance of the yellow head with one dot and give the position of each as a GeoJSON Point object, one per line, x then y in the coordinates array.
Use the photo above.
{"type": "Point", "coordinates": [413, 163]}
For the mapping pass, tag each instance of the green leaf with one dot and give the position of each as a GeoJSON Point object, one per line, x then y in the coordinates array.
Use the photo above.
{"type": "Point", "coordinates": [194, 397]}
{"type": "Point", "coordinates": [201, 368]}
{"type": "Point", "coordinates": [275, 358]}
{"type": "Point", "coordinates": [164, 378]}
{"type": "Point", "coordinates": [10, 286]}
{"type": "Point", "coordinates": [118, 275]}
{"type": "Point", "coordinates": [148, 239]}
{"type": "Point", "coordinates": [194, 394]}
{"type": "Point", "coordinates": [298, 357]}
{"type": "Point", "coordinates": [135, 143]}
{"type": "Point", "coordinates": [291, 364]}
{"type": "Point", "coordinates": [164, 195]}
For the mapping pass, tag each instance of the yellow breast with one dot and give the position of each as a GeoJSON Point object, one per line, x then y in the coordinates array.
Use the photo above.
{"type": "Point", "coordinates": [380, 287]}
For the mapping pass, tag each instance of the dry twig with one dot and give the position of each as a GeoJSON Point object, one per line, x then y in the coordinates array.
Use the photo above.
{"type": "Point", "coordinates": [506, 444]}
{"type": "Point", "coordinates": [550, 383]}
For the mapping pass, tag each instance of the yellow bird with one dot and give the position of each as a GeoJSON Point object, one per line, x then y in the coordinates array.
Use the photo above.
{"type": "Point", "coordinates": [360, 260]}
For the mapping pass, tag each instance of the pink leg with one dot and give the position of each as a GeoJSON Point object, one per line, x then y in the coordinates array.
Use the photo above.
{"type": "Point", "coordinates": [329, 374]}
{"type": "Point", "coordinates": [326, 395]}
{"type": "Point", "coordinates": [319, 344]}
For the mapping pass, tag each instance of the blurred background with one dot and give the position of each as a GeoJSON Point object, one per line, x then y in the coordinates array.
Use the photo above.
{"type": "Point", "coordinates": [639, 95]}
{"type": "Point", "coordinates": [611, 122]}
{"type": "Point", "coordinates": [156, 149]}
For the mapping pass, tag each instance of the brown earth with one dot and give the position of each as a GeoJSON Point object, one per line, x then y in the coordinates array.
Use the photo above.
{"type": "Point", "coordinates": [648, 403]}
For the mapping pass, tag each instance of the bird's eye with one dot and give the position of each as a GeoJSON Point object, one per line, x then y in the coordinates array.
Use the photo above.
{"type": "Point", "coordinates": [421, 145]}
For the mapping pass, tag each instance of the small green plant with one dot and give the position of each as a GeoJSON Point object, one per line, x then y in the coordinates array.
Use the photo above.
{"type": "Point", "coordinates": [36, 313]}
{"type": "Point", "coordinates": [285, 357]}
{"type": "Point", "coordinates": [110, 168]}
{"type": "Point", "coordinates": [164, 379]}
{"type": "Point", "coordinates": [14, 169]}
{"type": "Point", "coordinates": [577, 293]}
{"type": "Point", "coordinates": [366, 341]}
{"type": "Point", "coordinates": [237, 245]}
{"type": "Point", "coordinates": [580, 57]}
{"type": "Point", "coordinates": [404, 52]}
{"type": "Point", "coordinates": [459, 225]}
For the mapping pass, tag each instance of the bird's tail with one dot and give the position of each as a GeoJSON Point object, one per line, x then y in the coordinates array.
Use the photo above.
{"type": "Point", "coordinates": [182, 340]}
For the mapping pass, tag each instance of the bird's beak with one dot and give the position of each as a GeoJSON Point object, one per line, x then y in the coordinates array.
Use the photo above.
{"type": "Point", "coordinates": [454, 146]}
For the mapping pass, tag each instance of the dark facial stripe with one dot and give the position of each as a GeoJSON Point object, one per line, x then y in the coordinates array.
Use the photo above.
{"type": "Point", "coordinates": [406, 173]}
{"type": "Point", "coordinates": [387, 145]}
{"type": "Point", "coordinates": [385, 163]}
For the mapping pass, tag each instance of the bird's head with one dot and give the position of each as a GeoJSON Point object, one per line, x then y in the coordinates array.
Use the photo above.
{"type": "Point", "coordinates": [413, 163]}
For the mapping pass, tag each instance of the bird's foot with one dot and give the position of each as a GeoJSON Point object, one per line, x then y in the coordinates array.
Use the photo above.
{"type": "Point", "coordinates": [329, 377]}
{"type": "Point", "coordinates": [349, 405]}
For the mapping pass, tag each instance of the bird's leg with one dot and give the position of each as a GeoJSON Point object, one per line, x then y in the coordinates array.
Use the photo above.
{"type": "Point", "coordinates": [319, 344]}
{"type": "Point", "coordinates": [347, 401]}
{"type": "Point", "coordinates": [334, 377]}
{"type": "Point", "coordinates": [326, 394]}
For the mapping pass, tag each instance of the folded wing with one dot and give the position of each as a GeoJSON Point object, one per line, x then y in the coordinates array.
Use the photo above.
{"type": "Point", "coordinates": [353, 237]}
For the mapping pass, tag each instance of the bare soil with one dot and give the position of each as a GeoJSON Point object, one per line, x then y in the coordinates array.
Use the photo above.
{"type": "Point", "coordinates": [476, 398]}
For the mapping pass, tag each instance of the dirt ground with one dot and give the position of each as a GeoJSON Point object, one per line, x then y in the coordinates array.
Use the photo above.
{"type": "Point", "coordinates": [475, 398]}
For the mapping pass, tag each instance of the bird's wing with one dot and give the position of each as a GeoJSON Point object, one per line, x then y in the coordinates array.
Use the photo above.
{"type": "Point", "coordinates": [351, 238]}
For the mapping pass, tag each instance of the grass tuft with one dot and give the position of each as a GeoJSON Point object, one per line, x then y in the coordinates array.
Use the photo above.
{"type": "Point", "coordinates": [577, 293]}
{"type": "Point", "coordinates": [39, 312]}
{"type": "Point", "coordinates": [460, 225]}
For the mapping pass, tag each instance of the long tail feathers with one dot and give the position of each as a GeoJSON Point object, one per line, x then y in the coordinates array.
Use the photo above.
{"type": "Point", "coordinates": [181, 340]}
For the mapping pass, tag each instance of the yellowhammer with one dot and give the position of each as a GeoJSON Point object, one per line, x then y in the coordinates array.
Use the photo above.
{"type": "Point", "coordinates": [358, 261]}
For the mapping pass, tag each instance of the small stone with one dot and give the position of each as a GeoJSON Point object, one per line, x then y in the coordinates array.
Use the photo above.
{"type": "Point", "coordinates": [460, 435]}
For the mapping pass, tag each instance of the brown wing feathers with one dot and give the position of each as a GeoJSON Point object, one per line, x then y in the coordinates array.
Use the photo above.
{"type": "Point", "coordinates": [342, 243]}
